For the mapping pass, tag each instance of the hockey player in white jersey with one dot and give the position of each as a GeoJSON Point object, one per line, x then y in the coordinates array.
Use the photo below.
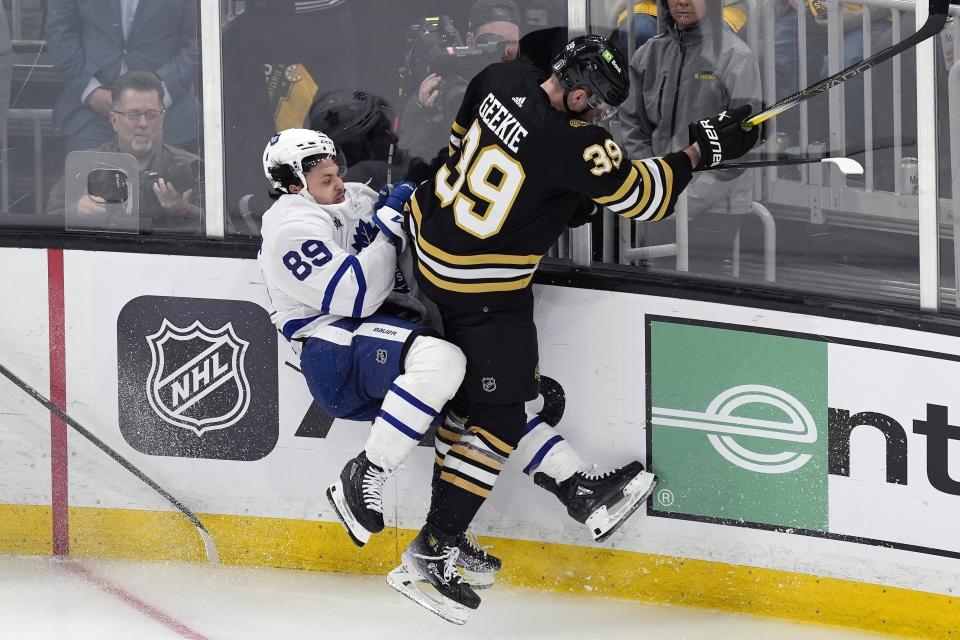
{"type": "Point", "coordinates": [329, 260]}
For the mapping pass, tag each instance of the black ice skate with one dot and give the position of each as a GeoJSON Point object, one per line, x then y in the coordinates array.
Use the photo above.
{"type": "Point", "coordinates": [602, 501]}
{"type": "Point", "coordinates": [429, 576]}
{"type": "Point", "coordinates": [476, 566]}
{"type": "Point", "coordinates": [357, 498]}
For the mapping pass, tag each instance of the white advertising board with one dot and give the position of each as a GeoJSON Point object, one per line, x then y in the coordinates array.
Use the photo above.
{"type": "Point", "coordinates": [783, 441]}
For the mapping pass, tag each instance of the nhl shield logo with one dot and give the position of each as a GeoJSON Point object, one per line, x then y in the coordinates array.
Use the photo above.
{"type": "Point", "coordinates": [197, 379]}
{"type": "Point", "coordinates": [382, 356]}
{"type": "Point", "coordinates": [489, 384]}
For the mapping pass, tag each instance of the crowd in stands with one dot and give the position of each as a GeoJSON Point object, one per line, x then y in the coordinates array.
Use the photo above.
{"type": "Point", "coordinates": [389, 103]}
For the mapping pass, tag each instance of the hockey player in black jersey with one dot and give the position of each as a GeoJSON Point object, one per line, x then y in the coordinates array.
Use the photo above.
{"type": "Point", "coordinates": [523, 154]}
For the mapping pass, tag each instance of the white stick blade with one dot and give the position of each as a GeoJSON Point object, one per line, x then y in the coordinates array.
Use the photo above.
{"type": "Point", "coordinates": [847, 166]}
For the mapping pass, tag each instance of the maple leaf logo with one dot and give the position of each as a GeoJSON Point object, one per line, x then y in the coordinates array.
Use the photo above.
{"type": "Point", "coordinates": [363, 235]}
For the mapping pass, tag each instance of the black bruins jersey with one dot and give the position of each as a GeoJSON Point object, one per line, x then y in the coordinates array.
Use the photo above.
{"type": "Point", "coordinates": [518, 171]}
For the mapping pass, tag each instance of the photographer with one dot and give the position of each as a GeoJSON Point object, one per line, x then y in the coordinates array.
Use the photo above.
{"type": "Point", "coordinates": [169, 177]}
{"type": "Point", "coordinates": [493, 30]}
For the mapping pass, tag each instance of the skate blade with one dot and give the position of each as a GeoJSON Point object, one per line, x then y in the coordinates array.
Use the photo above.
{"type": "Point", "coordinates": [604, 522]}
{"type": "Point", "coordinates": [477, 579]}
{"type": "Point", "coordinates": [408, 582]}
{"type": "Point", "coordinates": [357, 533]}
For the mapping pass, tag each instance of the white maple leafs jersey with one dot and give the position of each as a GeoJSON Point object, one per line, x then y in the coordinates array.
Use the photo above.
{"type": "Point", "coordinates": [324, 262]}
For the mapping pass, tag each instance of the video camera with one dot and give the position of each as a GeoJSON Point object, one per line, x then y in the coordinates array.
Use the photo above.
{"type": "Point", "coordinates": [112, 185]}
{"type": "Point", "coordinates": [435, 46]}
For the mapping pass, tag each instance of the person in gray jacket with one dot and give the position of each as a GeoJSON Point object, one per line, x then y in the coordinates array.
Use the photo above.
{"type": "Point", "coordinates": [694, 66]}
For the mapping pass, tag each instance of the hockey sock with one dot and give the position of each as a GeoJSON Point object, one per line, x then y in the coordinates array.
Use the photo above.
{"type": "Point", "coordinates": [433, 370]}
{"type": "Point", "coordinates": [451, 431]}
{"type": "Point", "coordinates": [471, 467]}
{"type": "Point", "coordinates": [542, 449]}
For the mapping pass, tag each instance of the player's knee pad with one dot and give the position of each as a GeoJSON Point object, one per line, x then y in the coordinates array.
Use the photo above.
{"type": "Point", "coordinates": [435, 368]}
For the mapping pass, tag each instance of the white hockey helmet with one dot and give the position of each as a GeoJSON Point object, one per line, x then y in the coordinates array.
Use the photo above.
{"type": "Point", "coordinates": [298, 149]}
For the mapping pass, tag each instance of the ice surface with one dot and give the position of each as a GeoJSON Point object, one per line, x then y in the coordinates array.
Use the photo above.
{"type": "Point", "coordinates": [41, 597]}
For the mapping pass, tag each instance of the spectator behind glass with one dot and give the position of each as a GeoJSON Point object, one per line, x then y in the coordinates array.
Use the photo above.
{"type": "Point", "coordinates": [427, 118]}
{"type": "Point", "coordinates": [645, 22]}
{"type": "Point", "coordinates": [282, 54]}
{"type": "Point", "coordinates": [696, 66]}
{"type": "Point", "coordinates": [94, 42]}
{"type": "Point", "coordinates": [137, 118]}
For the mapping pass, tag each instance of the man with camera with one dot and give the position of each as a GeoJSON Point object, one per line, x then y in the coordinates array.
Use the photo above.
{"type": "Point", "coordinates": [435, 50]}
{"type": "Point", "coordinates": [169, 177]}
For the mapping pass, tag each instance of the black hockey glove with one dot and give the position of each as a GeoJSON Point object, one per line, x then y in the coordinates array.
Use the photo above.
{"type": "Point", "coordinates": [722, 138]}
{"type": "Point", "coordinates": [585, 213]}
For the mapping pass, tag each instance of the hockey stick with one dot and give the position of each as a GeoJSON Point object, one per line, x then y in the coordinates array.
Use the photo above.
{"type": "Point", "coordinates": [930, 28]}
{"type": "Point", "coordinates": [847, 166]}
{"type": "Point", "coordinates": [208, 545]}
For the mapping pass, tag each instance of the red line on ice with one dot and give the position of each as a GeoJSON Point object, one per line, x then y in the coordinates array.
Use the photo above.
{"type": "Point", "coordinates": [128, 598]}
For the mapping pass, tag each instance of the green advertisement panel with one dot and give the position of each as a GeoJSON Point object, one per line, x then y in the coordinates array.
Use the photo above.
{"type": "Point", "coordinates": [738, 425]}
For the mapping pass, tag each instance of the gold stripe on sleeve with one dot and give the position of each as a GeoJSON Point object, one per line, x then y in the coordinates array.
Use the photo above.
{"type": "Point", "coordinates": [644, 200]}
{"type": "Point", "coordinates": [622, 192]}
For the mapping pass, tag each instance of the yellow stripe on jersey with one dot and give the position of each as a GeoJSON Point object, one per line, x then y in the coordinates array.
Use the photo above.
{"type": "Point", "coordinates": [495, 443]}
{"type": "Point", "coordinates": [667, 190]}
{"type": "Point", "coordinates": [622, 191]}
{"type": "Point", "coordinates": [458, 130]}
{"type": "Point", "coordinates": [483, 258]}
{"type": "Point", "coordinates": [478, 287]}
{"type": "Point", "coordinates": [466, 485]}
{"type": "Point", "coordinates": [644, 200]}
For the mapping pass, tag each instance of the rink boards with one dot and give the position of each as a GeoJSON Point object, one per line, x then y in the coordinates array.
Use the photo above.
{"type": "Point", "coordinates": [810, 466]}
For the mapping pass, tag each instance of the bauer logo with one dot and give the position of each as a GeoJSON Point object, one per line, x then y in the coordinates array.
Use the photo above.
{"type": "Point", "coordinates": [197, 378]}
{"type": "Point", "coordinates": [804, 434]}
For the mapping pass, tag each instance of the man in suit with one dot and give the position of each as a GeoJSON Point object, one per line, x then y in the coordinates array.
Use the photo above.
{"type": "Point", "coordinates": [96, 41]}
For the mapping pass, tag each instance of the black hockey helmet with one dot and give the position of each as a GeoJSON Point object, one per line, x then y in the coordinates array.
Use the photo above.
{"type": "Point", "coordinates": [591, 62]}
{"type": "Point", "coordinates": [346, 115]}
{"type": "Point", "coordinates": [358, 122]}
